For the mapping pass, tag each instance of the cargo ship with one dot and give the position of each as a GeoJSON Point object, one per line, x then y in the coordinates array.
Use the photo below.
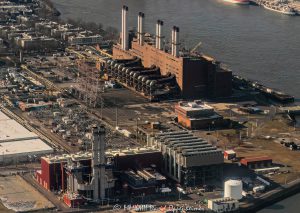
{"type": "Point", "coordinates": [243, 2]}
{"type": "Point", "coordinates": [280, 9]}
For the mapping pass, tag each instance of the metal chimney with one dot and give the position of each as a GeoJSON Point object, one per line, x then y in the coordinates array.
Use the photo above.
{"type": "Point", "coordinates": [173, 41]}
{"type": "Point", "coordinates": [156, 33]}
{"type": "Point", "coordinates": [176, 42]}
{"type": "Point", "coordinates": [158, 43]}
{"type": "Point", "coordinates": [124, 37]}
{"type": "Point", "coordinates": [98, 162]}
{"type": "Point", "coordinates": [141, 28]}
{"type": "Point", "coordinates": [138, 27]}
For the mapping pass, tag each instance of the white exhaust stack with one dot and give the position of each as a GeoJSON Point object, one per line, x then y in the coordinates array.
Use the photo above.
{"type": "Point", "coordinates": [158, 42]}
{"type": "Point", "coordinates": [141, 28]}
{"type": "Point", "coordinates": [175, 41]}
{"type": "Point", "coordinates": [124, 37]}
{"type": "Point", "coordinates": [172, 40]}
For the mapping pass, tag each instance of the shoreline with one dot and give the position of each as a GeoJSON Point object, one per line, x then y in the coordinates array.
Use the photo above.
{"type": "Point", "coordinates": [272, 197]}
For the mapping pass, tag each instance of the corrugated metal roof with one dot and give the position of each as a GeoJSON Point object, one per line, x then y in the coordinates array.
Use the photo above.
{"type": "Point", "coordinates": [255, 159]}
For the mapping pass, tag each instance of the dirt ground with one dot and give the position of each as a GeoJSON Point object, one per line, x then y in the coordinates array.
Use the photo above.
{"type": "Point", "coordinates": [17, 195]}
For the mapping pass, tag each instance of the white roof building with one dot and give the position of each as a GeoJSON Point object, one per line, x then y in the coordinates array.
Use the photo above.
{"type": "Point", "coordinates": [17, 143]}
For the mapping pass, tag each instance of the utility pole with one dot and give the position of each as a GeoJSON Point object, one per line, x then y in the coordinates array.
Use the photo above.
{"type": "Point", "coordinates": [101, 109]}
{"type": "Point", "coordinates": [137, 131]}
{"type": "Point", "coordinates": [116, 117]}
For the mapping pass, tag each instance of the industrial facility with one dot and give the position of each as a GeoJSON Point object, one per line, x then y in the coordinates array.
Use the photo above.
{"type": "Point", "coordinates": [85, 176]}
{"type": "Point", "coordinates": [197, 115]}
{"type": "Point", "coordinates": [18, 144]}
{"type": "Point", "coordinates": [187, 159]}
{"type": "Point", "coordinates": [81, 176]}
{"type": "Point", "coordinates": [91, 121]}
{"type": "Point", "coordinates": [144, 63]}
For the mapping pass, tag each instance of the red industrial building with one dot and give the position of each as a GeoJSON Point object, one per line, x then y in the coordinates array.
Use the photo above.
{"type": "Point", "coordinates": [52, 175]}
{"type": "Point", "coordinates": [257, 162]}
{"type": "Point", "coordinates": [196, 75]}
{"type": "Point", "coordinates": [63, 172]}
{"type": "Point", "coordinates": [197, 115]}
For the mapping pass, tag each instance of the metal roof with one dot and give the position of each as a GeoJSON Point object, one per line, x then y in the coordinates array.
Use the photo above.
{"type": "Point", "coordinates": [186, 143]}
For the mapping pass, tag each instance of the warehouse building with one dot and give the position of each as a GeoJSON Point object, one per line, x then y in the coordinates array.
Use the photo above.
{"type": "Point", "coordinates": [257, 162]}
{"type": "Point", "coordinates": [187, 159]}
{"type": "Point", "coordinates": [197, 115]}
{"type": "Point", "coordinates": [18, 144]}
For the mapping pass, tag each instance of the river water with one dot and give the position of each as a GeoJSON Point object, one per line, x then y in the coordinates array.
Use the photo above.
{"type": "Point", "coordinates": [289, 205]}
{"type": "Point", "coordinates": [254, 42]}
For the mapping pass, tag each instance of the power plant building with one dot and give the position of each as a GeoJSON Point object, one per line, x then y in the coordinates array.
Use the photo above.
{"type": "Point", "coordinates": [197, 115]}
{"type": "Point", "coordinates": [94, 175]}
{"type": "Point", "coordinates": [187, 159]}
{"type": "Point", "coordinates": [81, 176]}
{"type": "Point", "coordinates": [196, 75]}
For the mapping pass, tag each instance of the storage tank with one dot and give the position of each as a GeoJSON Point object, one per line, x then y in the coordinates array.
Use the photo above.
{"type": "Point", "coordinates": [233, 189]}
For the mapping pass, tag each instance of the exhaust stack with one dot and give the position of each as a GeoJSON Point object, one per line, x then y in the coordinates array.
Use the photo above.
{"type": "Point", "coordinates": [158, 42]}
{"type": "Point", "coordinates": [175, 41]}
{"type": "Point", "coordinates": [124, 34]}
{"type": "Point", "coordinates": [140, 29]}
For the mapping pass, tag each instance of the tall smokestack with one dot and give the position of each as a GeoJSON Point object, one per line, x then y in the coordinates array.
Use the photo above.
{"type": "Point", "coordinates": [124, 37]}
{"type": "Point", "coordinates": [175, 41]}
{"type": "Point", "coordinates": [156, 33]}
{"type": "Point", "coordinates": [98, 162]}
{"type": "Point", "coordinates": [161, 23]}
{"type": "Point", "coordinates": [158, 43]}
{"type": "Point", "coordinates": [138, 27]}
{"type": "Point", "coordinates": [172, 40]}
{"type": "Point", "coordinates": [141, 28]}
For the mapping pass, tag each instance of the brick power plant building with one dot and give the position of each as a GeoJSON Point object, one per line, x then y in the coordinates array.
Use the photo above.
{"type": "Point", "coordinates": [153, 69]}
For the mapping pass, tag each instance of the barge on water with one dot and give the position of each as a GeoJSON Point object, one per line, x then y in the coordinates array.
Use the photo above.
{"type": "Point", "coordinates": [273, 94]}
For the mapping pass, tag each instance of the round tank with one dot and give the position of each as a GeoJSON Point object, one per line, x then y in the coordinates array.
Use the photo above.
{"type": "Point", "coordinates": [233, 189]}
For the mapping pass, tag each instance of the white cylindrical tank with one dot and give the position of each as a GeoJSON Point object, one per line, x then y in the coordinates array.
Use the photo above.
{"type": "Point", "coordinates": [233, 189]}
